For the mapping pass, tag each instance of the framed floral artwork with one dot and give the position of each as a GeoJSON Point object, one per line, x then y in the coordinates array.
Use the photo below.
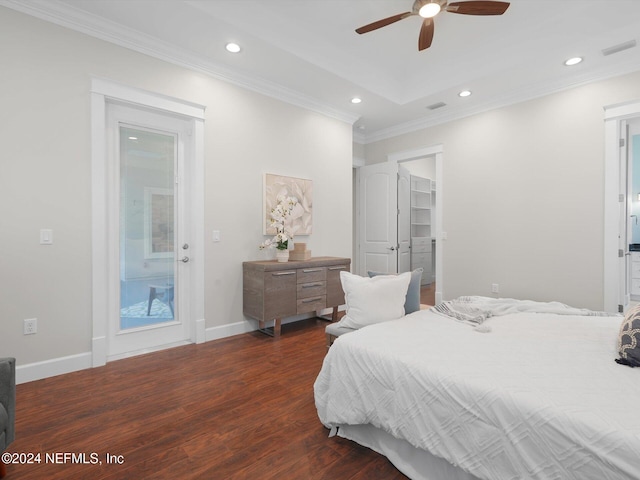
{"type": "Point", "coordinates": [276, 186]}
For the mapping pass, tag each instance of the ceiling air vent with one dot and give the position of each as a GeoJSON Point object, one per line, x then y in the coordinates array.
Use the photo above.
{"type": "Point", "coordinates": [435, 106]}
{"type": "Point", "coordinates": [619, 48]}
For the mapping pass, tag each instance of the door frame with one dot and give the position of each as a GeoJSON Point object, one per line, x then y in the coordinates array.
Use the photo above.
{"type": "Point", "coordinates": [615, 117]}
{"type": "Point", "coordinates": [104, 250]}
{"type": "Point", "coordinates": [404, 215]}
{"type": "Point", "coordinates": [436, 151]}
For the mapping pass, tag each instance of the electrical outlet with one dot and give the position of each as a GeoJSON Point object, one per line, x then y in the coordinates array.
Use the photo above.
{"type": "Point", "coordinates": [495, 288]}
{"type": "Point", "coordinates": [30, 326]}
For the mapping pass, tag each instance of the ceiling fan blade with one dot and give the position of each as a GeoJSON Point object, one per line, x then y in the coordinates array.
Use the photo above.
{"type": "Point", "coordinates": [426, 34]}
{"type": "Point", "coordinates": [383, 23]}
{"type": "Point", "coordinates": [478, 7]}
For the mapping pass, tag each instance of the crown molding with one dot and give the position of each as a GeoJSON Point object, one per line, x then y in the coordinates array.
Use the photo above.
{"type": "Point", "coordinates": [359, 138]}
{"type": "Point", "coordinates": [94, 26]}
{"type": "Point", "coordinates": [77, 20]}
{"type": "Point", "coordinates": [513, 98]}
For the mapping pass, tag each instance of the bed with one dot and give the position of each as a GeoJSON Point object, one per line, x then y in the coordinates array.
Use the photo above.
{"type": "Point", "coordinates": [527, 390]}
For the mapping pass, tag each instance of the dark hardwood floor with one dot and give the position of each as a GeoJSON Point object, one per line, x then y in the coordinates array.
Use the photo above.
{"type": "Point", "coordinates": [236, 408]}
{"type": "Point", "coordinates": [428, 294]}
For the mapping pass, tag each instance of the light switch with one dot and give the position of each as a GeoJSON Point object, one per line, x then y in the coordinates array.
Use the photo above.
{"type": "Point", "coordinates": [46, 236]}
{"type": "Point", "coordinates": [216, 235]}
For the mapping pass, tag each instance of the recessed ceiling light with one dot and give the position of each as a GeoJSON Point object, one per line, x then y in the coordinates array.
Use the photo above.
{"type": "Point", "coordinates": [232, 47]}
{"type": "Point", "coordinates": [464, 93]}
{"type": "Point", "coordinates": [133, 138]}
{"type": "Point", "coordinates": [573, 61]}
{"type": "Point", "coordinates": [362, 127]}
{"type": "Point", "coordinates": [429, 10]}
{"type": "Point", "coordinates": [356, 100]}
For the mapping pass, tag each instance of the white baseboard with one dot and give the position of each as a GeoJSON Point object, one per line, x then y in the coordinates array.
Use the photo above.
{"type": "Point", "coordinates": [53, 367]}
{"type": "Point", "coordinates": [230, 329]}
{"type": "Point", "coordinates": [246, 326]}
{"type": "Point", "coordinates": [81, 361]}
{"type": "Point", "coordinates": [201, 331]}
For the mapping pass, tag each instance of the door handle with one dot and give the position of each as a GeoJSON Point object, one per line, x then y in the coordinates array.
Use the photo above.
{"type": "Point", "coordinates": [392, 248]}
{"type": "Point", "coordinates": [184, 259]}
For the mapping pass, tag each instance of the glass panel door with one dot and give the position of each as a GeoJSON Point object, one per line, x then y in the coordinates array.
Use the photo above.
{"type": "Point", "coordinates": [148, 162]}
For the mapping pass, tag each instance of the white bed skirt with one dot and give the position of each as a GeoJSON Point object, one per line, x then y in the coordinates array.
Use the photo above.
{"type": "Point", "coordinates": [414, 463]}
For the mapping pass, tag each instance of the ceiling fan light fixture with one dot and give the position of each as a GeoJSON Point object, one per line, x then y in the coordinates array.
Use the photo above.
{"type": "Point", "coordinates": [429, 10]}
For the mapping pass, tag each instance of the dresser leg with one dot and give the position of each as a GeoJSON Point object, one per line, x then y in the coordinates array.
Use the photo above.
{"type": "Point", "coordinates": [271, 331]}
{"type": "Point", "coordinates": [276, 327]}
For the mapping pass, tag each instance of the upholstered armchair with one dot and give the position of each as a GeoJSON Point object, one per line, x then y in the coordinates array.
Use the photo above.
{"type": "Point", "coordinates": [7, 405]}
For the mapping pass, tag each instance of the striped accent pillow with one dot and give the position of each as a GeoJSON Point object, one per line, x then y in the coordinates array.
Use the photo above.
{"type": "Point", "coordinates": [629, 338]}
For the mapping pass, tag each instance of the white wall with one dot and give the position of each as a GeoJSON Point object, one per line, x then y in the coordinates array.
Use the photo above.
{"type": "Point", "coordinates": [423, 167]}
{"type": "Point", "coordinates": [523, 194]}
{"type": "Point", "coordinates": [45, 179]}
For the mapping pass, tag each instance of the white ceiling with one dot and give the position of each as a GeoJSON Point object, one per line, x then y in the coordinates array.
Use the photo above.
{"type": "Point", "coordinates": [306, 51]}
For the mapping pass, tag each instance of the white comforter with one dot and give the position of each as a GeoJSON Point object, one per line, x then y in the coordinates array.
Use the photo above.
{"type": "Point", "coordinates": [539, 396]}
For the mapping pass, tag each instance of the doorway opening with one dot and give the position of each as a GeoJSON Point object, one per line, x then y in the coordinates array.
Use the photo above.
{"type": "Point", "coordinates": [620, 124]}
{"type": "Point", "coordinates": [383, 242]}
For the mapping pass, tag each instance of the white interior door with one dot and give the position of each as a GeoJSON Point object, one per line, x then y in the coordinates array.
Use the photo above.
{"type": "Point", "coordinates": [378, 218]}
{"type": "Point", "coordinates": [148, 242]}
{"type": "Point", "coordinates": [404, 219]}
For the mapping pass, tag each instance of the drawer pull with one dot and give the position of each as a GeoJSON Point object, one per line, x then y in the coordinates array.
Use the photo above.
{"type": "Point", "coordinates": [279, 274]}
{"type": "Point", "coordinates": [338, 268]}
{"type": "Point", "coordinates": [311, 300]}
{"type": "Point", "coordinates": [312, 270]}
{"type": "Point", "coordinates": [311, 285]}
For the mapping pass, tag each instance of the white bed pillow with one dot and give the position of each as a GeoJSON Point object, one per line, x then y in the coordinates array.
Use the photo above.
{"type": "Point", "coordinates": [373, 300]}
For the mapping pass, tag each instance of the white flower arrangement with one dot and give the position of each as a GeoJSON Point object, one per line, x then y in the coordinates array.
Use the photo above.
{"type": "Point", "coordinates": [281, 222]}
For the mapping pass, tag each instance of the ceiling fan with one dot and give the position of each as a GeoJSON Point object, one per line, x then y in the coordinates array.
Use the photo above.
{"type": "Point", "coordinates": [428, 9]}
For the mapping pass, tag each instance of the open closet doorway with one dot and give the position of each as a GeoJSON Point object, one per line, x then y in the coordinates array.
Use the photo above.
{"type": "Point", "coordinates": [621, 201]}
{"type": "Point", "coordinates": [399, 217]}
{"type": "Point", "coordinates": [633, 221]}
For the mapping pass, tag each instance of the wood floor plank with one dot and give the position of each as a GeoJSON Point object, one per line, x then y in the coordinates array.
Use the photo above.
{"type": "Point", "coordinates": [235, 408]}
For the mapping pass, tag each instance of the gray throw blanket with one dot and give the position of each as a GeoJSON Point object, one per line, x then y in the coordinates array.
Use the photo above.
{"type": "Point", "coordinates": [474, 310]}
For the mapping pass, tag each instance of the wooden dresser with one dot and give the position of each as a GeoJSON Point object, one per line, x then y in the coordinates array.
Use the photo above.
{"type": "Point", "coordinates": [273, 291]}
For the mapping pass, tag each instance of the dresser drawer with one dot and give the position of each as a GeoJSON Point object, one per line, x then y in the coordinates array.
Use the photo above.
{"type": "Point", "coordinates": [312, 303]}
{"type": "Point", "coordinates": [635, 287]}
{"type": "Point", "coordinates": [635, 269]}
{"type": "Point", "coordinates": [313, 289]}
{"type": "Point", "coordinates": [312, 274]}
